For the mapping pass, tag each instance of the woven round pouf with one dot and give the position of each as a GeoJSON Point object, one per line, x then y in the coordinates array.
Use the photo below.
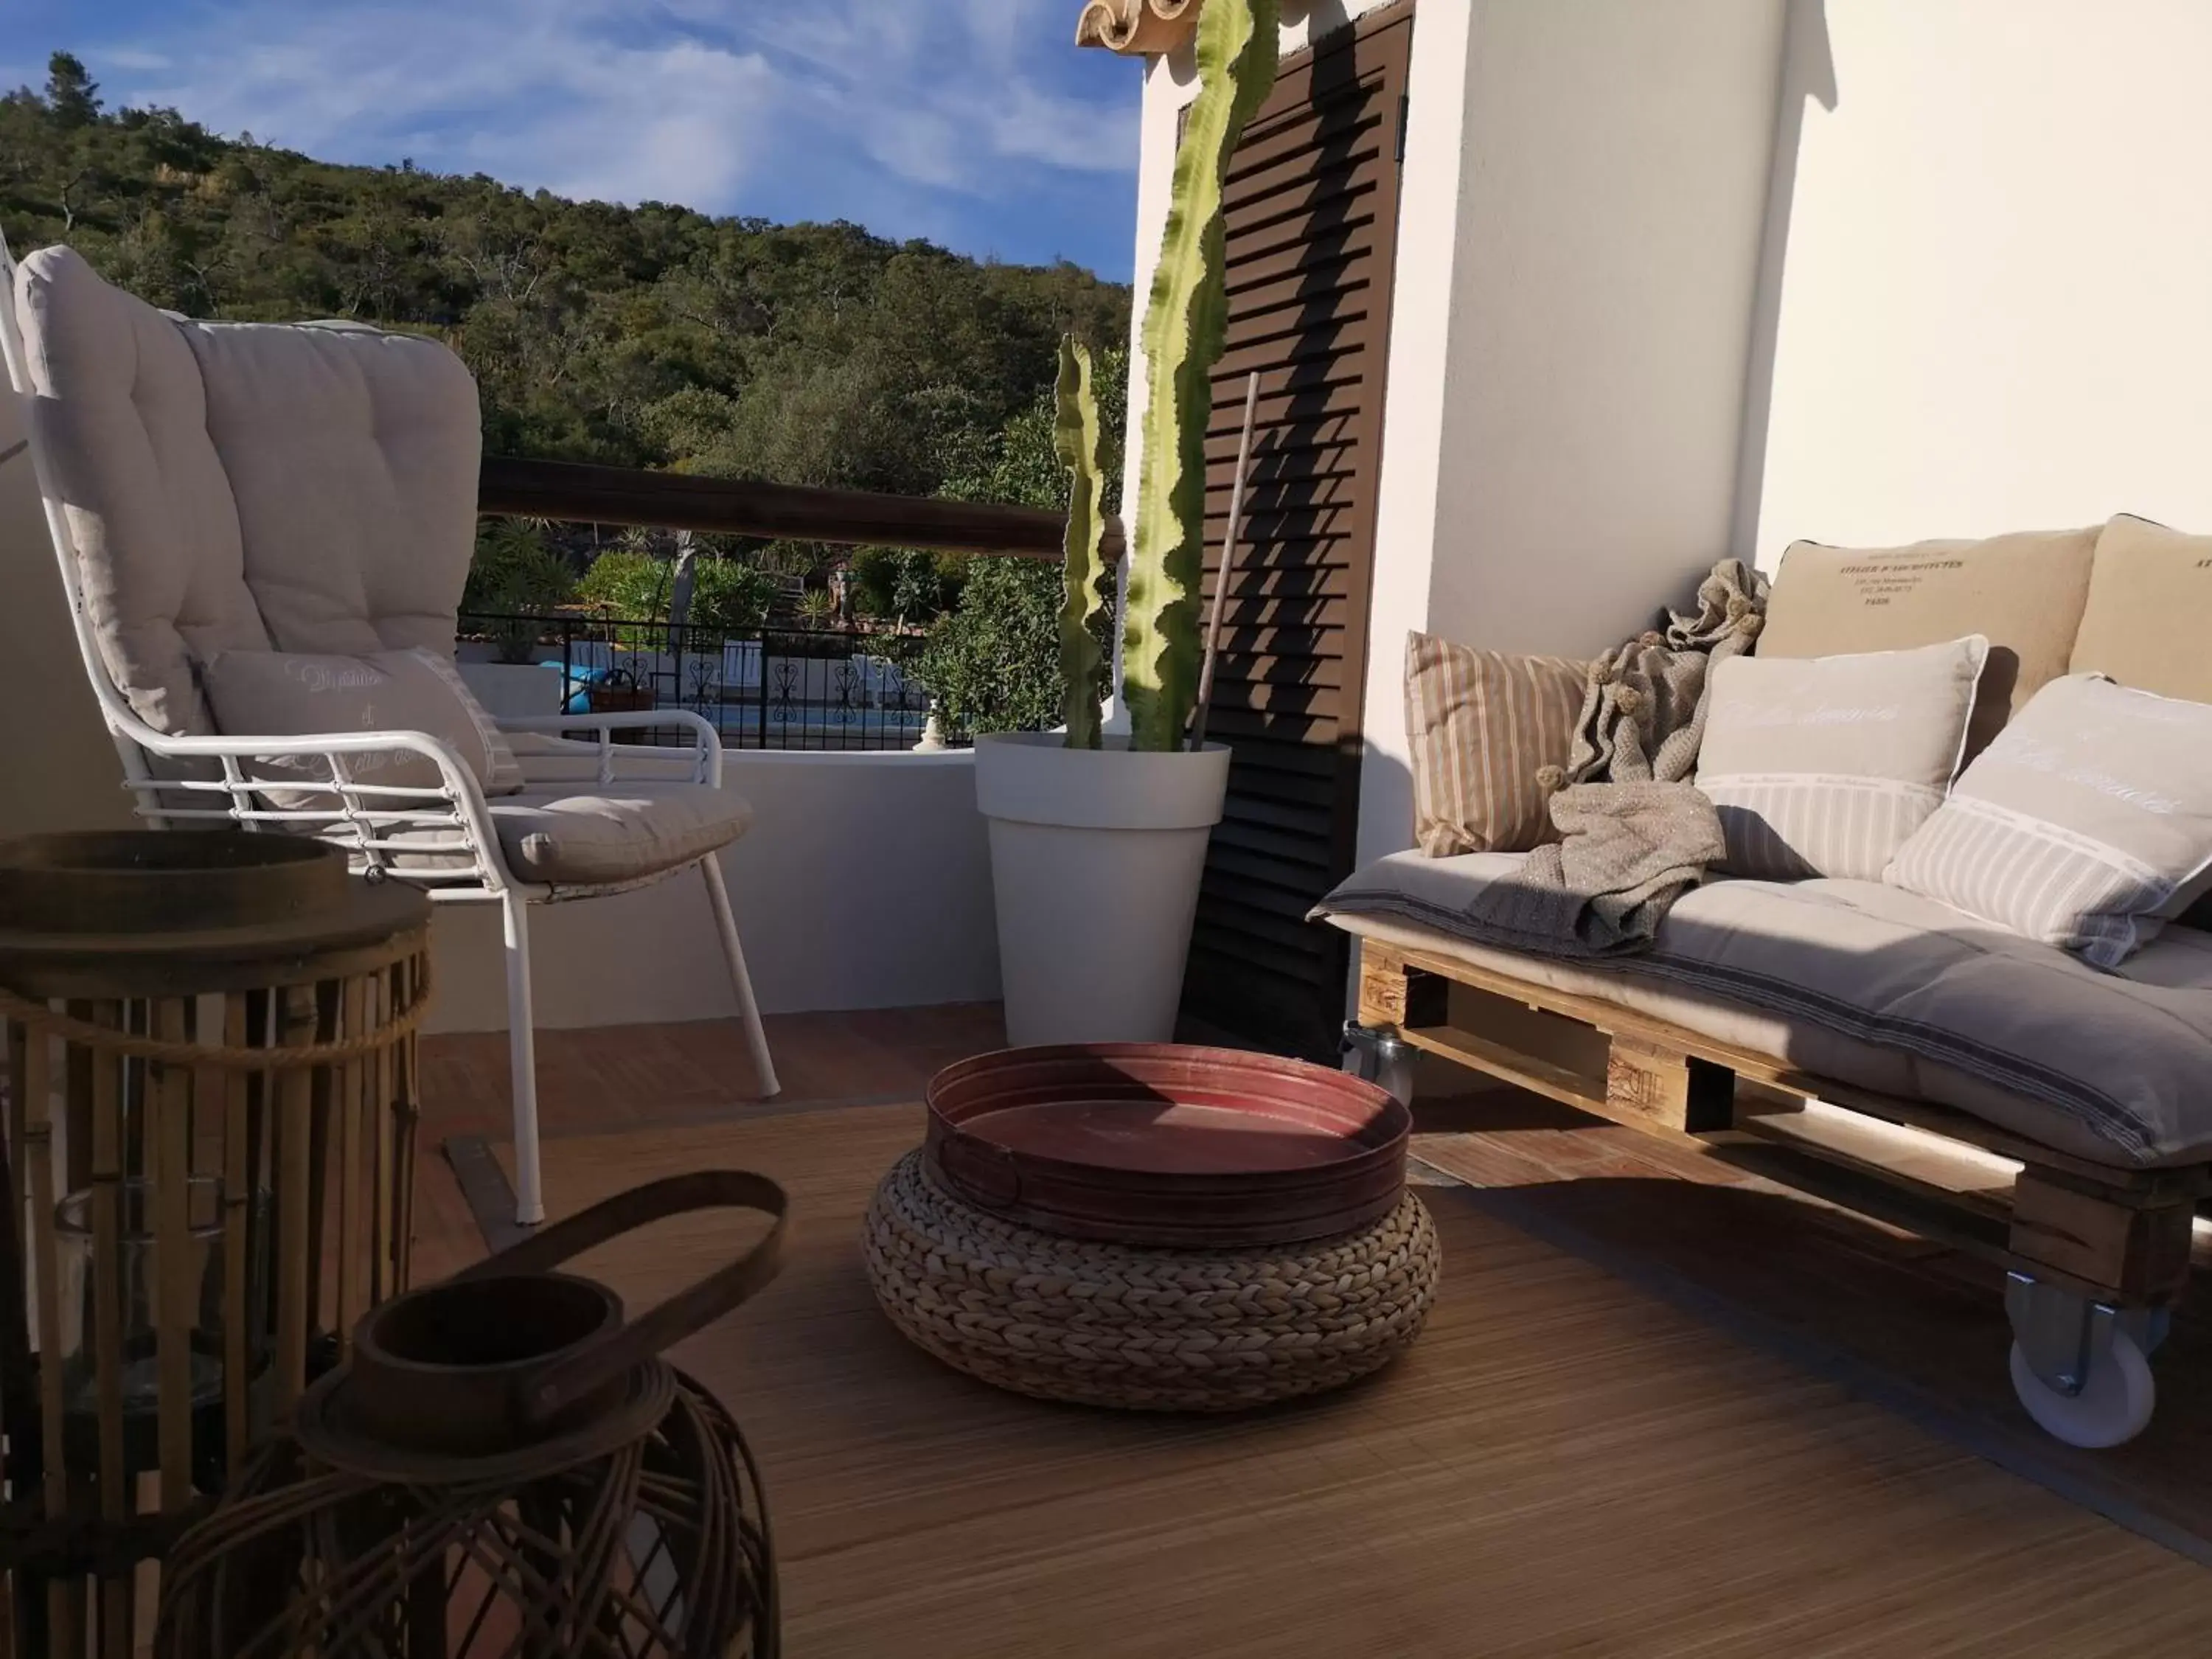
{"type": "Point", "coordinates": [1138, 1329]}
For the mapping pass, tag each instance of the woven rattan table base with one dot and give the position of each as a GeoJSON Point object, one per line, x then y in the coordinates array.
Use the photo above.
{"type": "Point", "coordinates": [1147, 1329]}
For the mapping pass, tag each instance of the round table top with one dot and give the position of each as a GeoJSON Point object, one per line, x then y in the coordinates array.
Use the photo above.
{"type": "Point", "coordinates": [1167, 1144]}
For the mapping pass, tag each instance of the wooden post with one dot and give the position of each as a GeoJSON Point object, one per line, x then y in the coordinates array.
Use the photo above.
{"type": "Point", "coordinates": [1668, 1089]}
{"type": "Point", "coordinates": [2128, 1243]}
{"type": "Point", "coordinates": [1392, 994]}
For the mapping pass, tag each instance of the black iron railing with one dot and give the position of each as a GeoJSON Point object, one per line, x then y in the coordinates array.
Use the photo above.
{"type": "Point", "coordinates": [761, 688]}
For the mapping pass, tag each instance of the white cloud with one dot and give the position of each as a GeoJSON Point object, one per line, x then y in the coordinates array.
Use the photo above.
{"type": "Point", "coordinates": [948, 119]}
{"type": "Point", "coordinates": [536, 92]}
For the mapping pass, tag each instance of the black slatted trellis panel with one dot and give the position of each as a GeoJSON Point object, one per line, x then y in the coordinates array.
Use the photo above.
{"type": "Point", "coordinates": [1312, 225]}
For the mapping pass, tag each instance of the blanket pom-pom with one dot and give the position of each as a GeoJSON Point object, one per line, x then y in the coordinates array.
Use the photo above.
{"type": "Point", "coordinates": [1551, 778]}
{"type": "Point", "coordinates": [1603, 673]}
{"type": "Point", "coordinates": [1738, 607]}
{"type": "Point", "coordinates": [1651, 636]}
{"type": "Point", "coordinates": [1751, 624]}
{"type": "Point", "coordinates": [1629, 701]}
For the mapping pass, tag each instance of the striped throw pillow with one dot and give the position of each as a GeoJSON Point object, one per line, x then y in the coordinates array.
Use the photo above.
{"type": "Point", "coordinates": [2086, 825]}
{"type": "Point", "coordinates": [1483, 724]}
{"type": "Point", "coordinates": [1823, 766]}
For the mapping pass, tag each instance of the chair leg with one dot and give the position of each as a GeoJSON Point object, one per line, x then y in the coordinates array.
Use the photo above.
{"type": "Point", "coordinates": [522, 1061]}
{"type": "Point", "coordinates": [718, 893]}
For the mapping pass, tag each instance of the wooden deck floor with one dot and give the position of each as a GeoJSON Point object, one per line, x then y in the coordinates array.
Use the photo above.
{"type": "Point", "coordinates": [1566, 1464]}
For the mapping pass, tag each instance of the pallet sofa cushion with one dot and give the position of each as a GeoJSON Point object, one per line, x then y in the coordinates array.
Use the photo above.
{"type": "Point", "coordinates": [1482, 725]}
{"type": "Point", "coordinates": [2024, 591]}
{"type": "Point", "coordinates": [234, 487]}
{"type": "Point", "coordinates": [1883, 989]}
{"type": "Point", "coordinates": [2150, 591]}
{"type": "Point", "coordinates": [2085, 824]}
{"type": "Point", "coordinates": [285, 694]}
{"type": "Point", "coordinates": [1824, 766]}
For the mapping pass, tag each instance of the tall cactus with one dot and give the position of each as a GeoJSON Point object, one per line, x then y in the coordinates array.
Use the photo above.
{"type": "Point", "coordinates": [1075, 435]}
{"type": "Point", "coordinates": [1186, 326]}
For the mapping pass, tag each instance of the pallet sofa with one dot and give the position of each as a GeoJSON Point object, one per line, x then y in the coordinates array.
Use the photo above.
{"type": "Point", "coordinates": [2069, 1104]}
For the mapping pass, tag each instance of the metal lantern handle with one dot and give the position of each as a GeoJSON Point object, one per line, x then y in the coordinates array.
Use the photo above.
{"type": "Point", "coordinates": [578, 1372]}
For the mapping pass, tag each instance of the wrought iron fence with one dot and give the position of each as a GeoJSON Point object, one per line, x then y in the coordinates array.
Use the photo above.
{"type": "Point", "coordinates": [762, 688]}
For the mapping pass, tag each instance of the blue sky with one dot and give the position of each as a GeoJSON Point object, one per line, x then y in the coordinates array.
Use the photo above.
{"type": "Point", "coordinates": [976, 123]}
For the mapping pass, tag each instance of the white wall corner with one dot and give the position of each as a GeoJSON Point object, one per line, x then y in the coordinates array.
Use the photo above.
{"type": "Point", "coordinates": [1418, 392]}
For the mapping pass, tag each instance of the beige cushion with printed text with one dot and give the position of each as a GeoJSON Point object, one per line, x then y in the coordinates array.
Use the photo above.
{"type": "Point", "coordinates": [2149, 610]}
{"type": "Point", "coordinates": [2023, 592]}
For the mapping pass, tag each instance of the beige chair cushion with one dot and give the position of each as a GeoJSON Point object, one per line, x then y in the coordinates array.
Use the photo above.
{"type": "Point", "coordinates": [1883, 989]}
{"type": "Point", "coordinates": [1482, 724]}
{"type": "Point", "coordinates": [233, 487]}
{"type": "Point", "coordinates": [2085, 823]}
{"type": "Point", "coordinates": [618, 832]}
{"type": "Point", "coordinates": [283, 694]}
{"type": "Point", "coordinates": [2024, 591]}
{"type": "Point", "coordinates": [2150, 597]}
{"type": "Point", "coordinates": [1822, 766]}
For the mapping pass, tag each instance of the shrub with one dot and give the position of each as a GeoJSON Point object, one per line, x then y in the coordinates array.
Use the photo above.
{"type": "Point", "coordinates": [632, 585]}
{"type": "Point", "coordinates": [514, 572]}
{"type": "Point", "coordinates": [731, 596]}
{"type": "Point", "coordinates": [993, 663]}
{"type": "Point", "coordinates": [905, 585]}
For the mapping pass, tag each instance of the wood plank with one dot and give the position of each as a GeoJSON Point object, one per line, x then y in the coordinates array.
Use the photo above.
{"type": "Point", "coordinates": [1255, 266]}
{"type": "Point", "coordinates": [1615, 1019]}
{"type": "Point", "coordinates": [1553, 1377]}
{"type": "Point", "coordinates": [1540, 1076]}
{"type": "Point", "coordinates": [628, 495]}
{"type": "Point", "coordinates": [1668, 1089]}
{"type": "Point", "coordinates": [2100, 1238]}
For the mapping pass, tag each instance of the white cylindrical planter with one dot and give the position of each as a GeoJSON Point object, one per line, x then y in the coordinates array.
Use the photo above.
{"type": "Point", "coordinates": [1096, 855]}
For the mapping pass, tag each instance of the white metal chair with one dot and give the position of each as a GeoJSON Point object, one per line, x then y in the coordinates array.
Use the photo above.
{"type": "Point", "coordinates": [448, 838]}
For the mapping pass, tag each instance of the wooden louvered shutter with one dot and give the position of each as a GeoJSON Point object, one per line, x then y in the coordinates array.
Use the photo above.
{"type": "Point", "coordinates": [1312, 228]}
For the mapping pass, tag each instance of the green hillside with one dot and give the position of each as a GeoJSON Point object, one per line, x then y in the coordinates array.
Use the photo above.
{"type": "Point", "coordinates": [648, 336]}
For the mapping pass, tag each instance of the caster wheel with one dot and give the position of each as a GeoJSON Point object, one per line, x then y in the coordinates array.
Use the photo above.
{"type": "Point", "coordinates": [2112, 1408]}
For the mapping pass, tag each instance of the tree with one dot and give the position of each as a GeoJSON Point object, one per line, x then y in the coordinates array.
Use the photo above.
{"type": "Point", "coordinates": [72, 95]}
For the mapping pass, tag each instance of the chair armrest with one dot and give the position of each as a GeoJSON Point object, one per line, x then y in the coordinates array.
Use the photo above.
{"type": "Point", "coordinates": [705, 747]}
{"type": "Point", "coordinates": [455, 780]}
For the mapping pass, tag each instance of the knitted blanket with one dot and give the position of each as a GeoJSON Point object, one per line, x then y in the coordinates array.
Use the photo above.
{"type": "Point", "coordinates": [1635, 836]}
{"type": "Point", "coordinates": [1627, 852]}
{"type": "Point", "coordinates": [1643, 714]}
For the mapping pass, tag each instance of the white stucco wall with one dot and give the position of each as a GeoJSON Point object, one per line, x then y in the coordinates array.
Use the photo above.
{"type": "Point", "coordinates": [864, 883]}
{"type": "Point", "coordinates": [1568, 377]}
{"type": "Point", "coordinates": [1989, 310]}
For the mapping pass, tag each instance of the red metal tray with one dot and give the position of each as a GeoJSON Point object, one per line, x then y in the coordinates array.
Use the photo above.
{"type": "Point", "coordinates": [1155, 1143]}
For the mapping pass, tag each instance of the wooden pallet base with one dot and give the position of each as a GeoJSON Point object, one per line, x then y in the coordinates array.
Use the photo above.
{"type": "Point", "coordinates": [2116, 1235]}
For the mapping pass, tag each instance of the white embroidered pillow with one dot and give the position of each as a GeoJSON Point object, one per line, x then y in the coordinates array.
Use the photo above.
{"type": "Point", "coordinates": [283, 693]}
{"type": "Point", "coordinates": [2085, 825]}
{"type": "Point", "coordinates": [1824, 766]}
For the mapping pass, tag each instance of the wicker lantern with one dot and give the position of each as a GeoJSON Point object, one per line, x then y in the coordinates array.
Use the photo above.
{"type": "Point", "coordinates": [502, 1467]}
{"type": "Point", "coordinates": [210, 1139]}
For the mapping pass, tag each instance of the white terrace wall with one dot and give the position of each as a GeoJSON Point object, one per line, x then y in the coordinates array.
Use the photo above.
{"type": "Point", "coordinates": [1585, 188]}
{"type": "Point", "coordinates": [864, 881]}
{"type": "Point", "coordinates": [1987, 298]}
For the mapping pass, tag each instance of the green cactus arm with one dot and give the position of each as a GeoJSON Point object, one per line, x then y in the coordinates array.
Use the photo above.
{"type": "Point", "coordinates": [1075, 435]}
{"type": "Point", "coordinates": [1186, 326]}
